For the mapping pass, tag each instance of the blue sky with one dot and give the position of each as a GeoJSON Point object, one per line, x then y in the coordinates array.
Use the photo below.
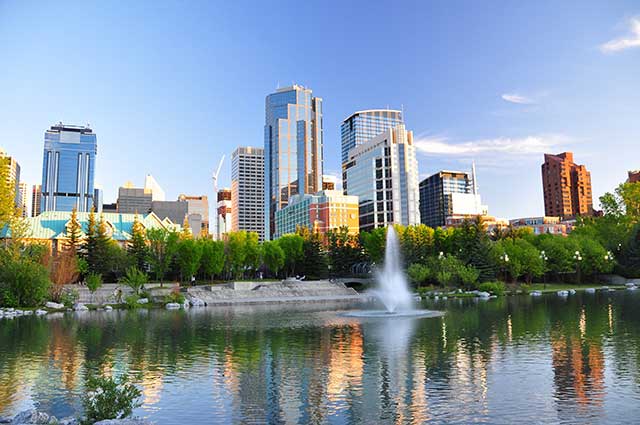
{"type": "Point", "coordinates": [169, 87]}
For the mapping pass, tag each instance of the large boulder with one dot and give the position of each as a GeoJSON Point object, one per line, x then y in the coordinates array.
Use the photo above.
{"type": "Point", "coordinates": [197, 302]}
{"type": "Point", "coordinates": [80, 307]}
{"type": "Point", "coordinates": [41, 312]}
{"type": "Point", "coordinates": [143, 301]}
{"type": "Point", "coordinates": [131, 421]}
{"type": "Point", "coordinates": [172, 306]}
{"type": "Point", "coordinates": [53, 305]}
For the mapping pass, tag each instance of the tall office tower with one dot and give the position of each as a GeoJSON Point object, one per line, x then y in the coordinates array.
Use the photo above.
{"type": "Point", "coordinates": [197, 205]}
{"type": "Point", "coordinates": [566, 186]}
{"type": "Point", "coordinates": [152, 186]}
{"type": "Point", "coordinates": [362, 126]}
{"type": "Point", "coordinates": [23, 191]}
{"type": "Point", "coordinates": [247, 190]}
{"type": "Point", "coordinates": [292, 148]}
{"type": "Point", "coordinates": [14, 172]}
{"type": "Point", "coordinates": [329, 182]}
{"type": "Point", "coordinates": [68, 168]}
{"type": "Point", "coordinates": [134, 200]}
{"type": "Point", "coordinates": [448, 194]}
{"type": "Point", "coordinates": [383, 173]}
{"type": "Point", "coordinates": [36, 196]}
{"type": "Point", "coordinates": [224, 212]}
{"type": "Point", "coordinates": [97, 200]}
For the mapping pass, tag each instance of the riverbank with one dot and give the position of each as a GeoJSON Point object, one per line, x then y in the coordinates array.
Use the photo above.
{"type": "Point", "coordinates": [32, 417]}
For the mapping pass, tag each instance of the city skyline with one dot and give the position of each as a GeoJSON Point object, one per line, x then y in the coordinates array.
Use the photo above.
{"type": "Point", "coordinates": [505, 111]}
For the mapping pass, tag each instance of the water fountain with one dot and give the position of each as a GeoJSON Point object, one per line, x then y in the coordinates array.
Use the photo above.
{"type": "Point", "coordinates": [393, 289]}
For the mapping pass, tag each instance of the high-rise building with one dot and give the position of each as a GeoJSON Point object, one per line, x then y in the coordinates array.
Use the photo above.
{"type": "Point", "coordinates": [224, 212]}
{"type": "Point", "coordinates": [449, 194]}
{"type": "Point", "coordinates": [36, 196]}
{"type": "Point", "coordinates": [329, 182]}
{"type": "Point", "coordinates": [292, 148]}
{"type": "Point", "coordinates": [634, 176]}
{"type": "Point", "coordinates": [23, 191]}
{"type": "Point", "coordinates": [152, 186]}
{"type": "Point", "coordinates": [97, 200]}
{"type": "Point", "coordinates": [362, 126]}
{"type": "Point", "coordinates": [68, 168]}
{"type": "Point", "coordinates": [566, 186]}
{"type": "Point", "coordinates": [132, 200]}
{"type": "Point", "coordinates": [176, 211]}
{"type": "Point", "coordinates": [14, 173]}
{"type": "Point", "coordinates": [197, 205]}
{"type": "Point", "coordinates": [383, 173]}
{"type": "Point", "coordinates": [247, 190]}
{"type": "Point", "coordinates": [325, 211]}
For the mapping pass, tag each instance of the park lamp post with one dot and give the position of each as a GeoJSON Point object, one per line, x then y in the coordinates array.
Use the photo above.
{"type": "Point", "coordinates": [578, 257]}
{"type": "Point", "coordinates": [608, 257]}
{"type": "Point", "coordinates": [504, 258]}
{"type": "Point", "coordinates": [544, 258]}
{"type": "Point", "coordinates": [441, 256]}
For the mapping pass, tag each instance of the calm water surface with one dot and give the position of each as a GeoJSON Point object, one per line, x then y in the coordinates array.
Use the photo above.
{"type": "Point", "coordinates": [508, 360]}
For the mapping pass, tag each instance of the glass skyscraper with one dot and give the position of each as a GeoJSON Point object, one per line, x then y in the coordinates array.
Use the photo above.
{"type": "Point", "coordinates": [362, 126]}
{"type": "Point", "coordinates": [68, 168]}
{"type": "Point", "coordinates": [292, 148]}
{"type": "Point", "coordinates": [383, 173]}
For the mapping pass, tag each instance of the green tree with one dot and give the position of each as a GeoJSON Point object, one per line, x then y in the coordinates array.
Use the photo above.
{"type": "Point", "coordinates": [523, 259]}
{"type": "Point", "coordinates": [109, 398]}
{"type": "Point", "coordinates": [74, 232]}
{"type": "Point", "coordinates": [345, 251]}
{"type": "Point", "coordinates": [188, 257]}
{"type": "Point", "coordinates": [251, 251]}
{"type": "Point", "coordinates": [292, 246]}
{"type": "Point", "coordinates": [273, 256]}
{"type": "Point", "coordinates": [235, 253]}
{"type": "Point", "coordinates": [23, 281]}
{"type": "Point", "coordinates": [212, 259]}
{"type": "Point", "coordinates": [314, 260]}
{"type": "Point", "coordinates": [137, 246]}
{"type": "Point", "coordinates": [135, 279]}
{"type": "Point", "coordinates": [94, 282]}
{"type": "Point", "coordinates": [417, 243]}
{"type": "Point", "coordinates": [419, 274]}
{"type": "Point", "coordinates": [186, 233]}
{"type": "Point", "coordinates": [163, 245]}
{"type": "Point", "coordinates": [7, 194]}
{"type": "Point", "coordinates": [374, 243]}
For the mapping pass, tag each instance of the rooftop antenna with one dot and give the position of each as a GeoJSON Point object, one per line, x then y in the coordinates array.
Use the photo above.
{"type": "Point", "coordinates": [215, 193]}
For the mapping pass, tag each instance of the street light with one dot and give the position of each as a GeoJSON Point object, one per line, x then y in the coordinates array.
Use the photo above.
{"type": "Point", "coordinates": [544, 258]}
{"type": "Point", "coordinates": [578, 257]}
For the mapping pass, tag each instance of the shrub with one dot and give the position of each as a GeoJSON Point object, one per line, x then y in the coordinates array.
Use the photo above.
{"type": "Point", "coordinates": [69, 298]}
{"type": "Point", "coordinates": [23, 282]}
{"type": "Point", "coordinates": [134, 278]}
{"type": "Point", "coordinates": [94, 282]}
{"type": "Point", "coordinates": [418, 273]}
{"type": "Point", "coordinates": [174, 297]}
{"type": "Point", "coordinates": [132, 301]}
{"type": "Point", "coordinates": [109, 398]}
{"type": "Point", "coordinates": [495, 288]}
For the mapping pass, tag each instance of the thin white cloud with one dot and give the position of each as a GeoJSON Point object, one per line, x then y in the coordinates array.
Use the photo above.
{"type": "Point", "coordinates": [623, 43]}
{"type": "Point", "coordinates": [530, 145]}
{"type": "Point", "coordinates": [516, 98]}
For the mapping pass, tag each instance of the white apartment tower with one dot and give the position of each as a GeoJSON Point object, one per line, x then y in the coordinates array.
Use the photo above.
{"type": "Point", "coordinates": [247, 190]}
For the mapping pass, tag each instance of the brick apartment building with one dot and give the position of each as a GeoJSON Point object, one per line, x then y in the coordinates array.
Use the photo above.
{"type": "Point", "coordinates": [566, 186]}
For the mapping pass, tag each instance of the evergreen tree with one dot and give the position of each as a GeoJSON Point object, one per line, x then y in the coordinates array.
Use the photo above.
{"type": "Point", "coordinates": [7, 194]}
{"type": "Point", "coordinates": [186, 229]}
{"type": "Point", "coordinates": [314, 262]}
{"type": "Point", "coordinates": [74, 232]}
{"type": "Point", "coordinates": [99, 246]}
{"type": "Point", "coordinates": [137, 247]}
{"type": "Point", "coordinates": [345, 251]}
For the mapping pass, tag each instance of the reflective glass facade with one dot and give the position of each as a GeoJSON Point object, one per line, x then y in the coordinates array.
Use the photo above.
{"type": "Point", "coordinates": [365, 125]}
{"type": "Point", "coordinates": [435, 195]}
{"type": "Point", "coordinates": [383, 173]}
{"type": "Point", "coordinates": [292, 148]}
{"type": "Point", "coordinates": [68, 168]}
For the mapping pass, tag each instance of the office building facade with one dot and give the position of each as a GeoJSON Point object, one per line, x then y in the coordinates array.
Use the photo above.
{"type": "Point", "coordinates": [362, 126]}
{"type": "Point", "coordinates": [449, 194]}
{"type": "Point", "coordinates": [197, 206]}
{"type": "Point", "coordinates": [25, 198]}
{"type": "Point", "coordinates": [14, 173]}
{"type": "Point", "coordinates": [320, 213]}
{"type": "Point", "coordinates": [36, 196]}
{"type": "Point", "coordinates": [293, 143]}
{"type": "Point", "coordinates": [132, 200]}
{"type": "Point", "coordinates": [247, 190]}
{"type": "Point", "coordinates": [383, 174]}
{"type": "Point", "coordinates": [68, 168]}
{"type": "Point", "coordinates": [224, 212]}
{"type": "Point", "coordinates": [566, 187]}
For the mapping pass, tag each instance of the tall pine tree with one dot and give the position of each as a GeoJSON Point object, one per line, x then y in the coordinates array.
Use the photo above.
{"type": "Point", "coordinates": [74, 232]}
{"type": "Point", "coordinates": [137, 247]}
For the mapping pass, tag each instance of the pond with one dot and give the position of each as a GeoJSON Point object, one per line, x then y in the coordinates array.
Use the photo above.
{"type": "Point", "coordinates": [513, 359]}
